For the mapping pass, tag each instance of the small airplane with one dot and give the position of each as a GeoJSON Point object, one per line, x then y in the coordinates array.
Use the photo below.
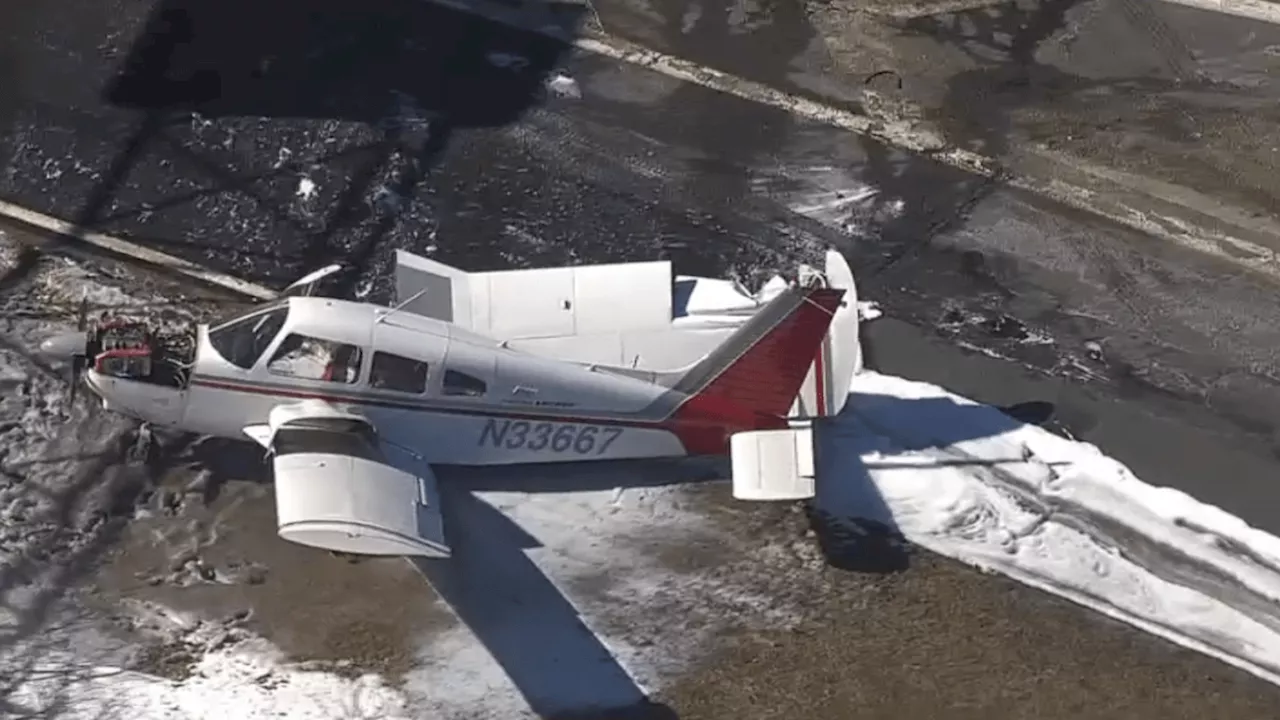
{"type": "Point", "coordinates": [356, 402]}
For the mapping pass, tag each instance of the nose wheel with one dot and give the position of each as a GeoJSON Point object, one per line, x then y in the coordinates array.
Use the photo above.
{"type": "Point", "coordinates": [143, 441]}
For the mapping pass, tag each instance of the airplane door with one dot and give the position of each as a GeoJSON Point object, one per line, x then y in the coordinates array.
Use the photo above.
{"type": "Point", "coordinates": [531, 303]}
{"type": "Point", "coordinates": [469, 371]}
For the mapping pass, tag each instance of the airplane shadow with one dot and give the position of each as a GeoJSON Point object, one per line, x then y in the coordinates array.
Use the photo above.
{"type": "Point", "coordinates": [854, 525]}
{"type": "Point", "coordinates": [541, 640]}
{"type": "Point", "coordinates": [527, 624]}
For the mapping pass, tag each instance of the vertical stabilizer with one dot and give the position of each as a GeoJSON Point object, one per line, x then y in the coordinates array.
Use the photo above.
{"type": "Point", "coordinates": [839, 357]}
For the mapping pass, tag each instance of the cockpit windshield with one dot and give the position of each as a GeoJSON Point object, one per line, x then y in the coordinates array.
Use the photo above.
{"type": "Point", "coordinates": [241, 342]}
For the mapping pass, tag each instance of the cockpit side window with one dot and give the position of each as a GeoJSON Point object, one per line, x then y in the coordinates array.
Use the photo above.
{"type": "Point", "coordinates": [311, 358]}
{"type": "Point", "coordinates": [241, 342]}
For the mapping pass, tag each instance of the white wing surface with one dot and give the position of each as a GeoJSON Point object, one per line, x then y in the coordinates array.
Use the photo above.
{"type": "Point", "coordinates": [340, 487]}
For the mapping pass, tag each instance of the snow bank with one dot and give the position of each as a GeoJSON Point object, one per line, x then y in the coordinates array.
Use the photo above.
{"type": "Point", "coordinates": [245, 683]}
{"type": "Point", "coordinates": [967, 481]}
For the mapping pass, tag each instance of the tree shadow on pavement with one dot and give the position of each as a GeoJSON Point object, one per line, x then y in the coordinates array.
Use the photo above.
{"type": "Point", "coordinates": [58, 529]}
{"type": "Point", "coordinates": [213, 80]}
{"type": "Point", "coordinates": [1007, 41]}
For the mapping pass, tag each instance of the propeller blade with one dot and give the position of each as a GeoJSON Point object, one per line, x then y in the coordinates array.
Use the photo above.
{"type": "Point", "coordinates": [73, 382]}
{"type": "Point", "coordinates": [73, 375]}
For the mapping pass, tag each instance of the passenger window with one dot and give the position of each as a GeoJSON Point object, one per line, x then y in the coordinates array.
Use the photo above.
{"type": "Point", "coordinates": [315, 359]}
{"type": "Point", "coordinates": [401, 374]}
{"type": "Point", "coordinates": [461, 384]}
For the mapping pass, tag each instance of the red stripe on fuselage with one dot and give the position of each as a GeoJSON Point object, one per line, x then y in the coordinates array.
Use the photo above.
{"type": "Point", "coordinates": [496, 411]}
{"type": "Point", "coordinates": [699, 435]}
{"type": "Point", "coordinates": [704, 433]}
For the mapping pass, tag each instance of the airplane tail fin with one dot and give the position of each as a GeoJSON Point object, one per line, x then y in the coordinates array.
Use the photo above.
{"type": "Point", "coordinates": [757, 372]}
{"type": "Point", "coordinates": [839, 357]}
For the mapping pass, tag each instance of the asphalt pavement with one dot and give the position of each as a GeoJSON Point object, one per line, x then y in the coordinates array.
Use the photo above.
{"type": "Point", "coordinates": [269, 138]}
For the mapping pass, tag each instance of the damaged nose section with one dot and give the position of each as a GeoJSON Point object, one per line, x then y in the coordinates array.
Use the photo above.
{"type": "Point", "coordinates": [150, 402]}
{"type": "Point", "coordinates": [127, 365]}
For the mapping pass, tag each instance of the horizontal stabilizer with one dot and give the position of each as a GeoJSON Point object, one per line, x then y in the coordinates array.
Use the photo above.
{"type": "Point", "coordinates": [773, 464]}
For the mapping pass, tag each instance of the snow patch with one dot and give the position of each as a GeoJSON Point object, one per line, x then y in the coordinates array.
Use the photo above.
{"type": "Point", "coordinates": [247, 683]}
{"type": "Point", "coordinates": [967, 481]}
{"type": "Point", "coordinates": [564, 86]}
{"type": "Point", "coordinates": [583, 584]}
{"type": "Point", "coordinates": [834, 196]}
{"type": "Point", "coordinates": [306, 189]}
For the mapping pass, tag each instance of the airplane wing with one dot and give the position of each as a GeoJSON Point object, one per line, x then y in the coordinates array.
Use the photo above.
{"type": "Point", "coordinates": [341, 487]}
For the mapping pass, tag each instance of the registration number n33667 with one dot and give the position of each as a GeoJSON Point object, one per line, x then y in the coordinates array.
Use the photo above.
{"type": "Point", "coordinates": [557, 438]}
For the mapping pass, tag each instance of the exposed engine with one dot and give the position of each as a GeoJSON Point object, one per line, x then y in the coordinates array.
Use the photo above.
{"type": "Point", "coordinates": [142, 350]}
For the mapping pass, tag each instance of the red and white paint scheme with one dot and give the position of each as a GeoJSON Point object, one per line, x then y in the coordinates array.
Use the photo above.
{"type": "Point", "coordinates": [356, 402]}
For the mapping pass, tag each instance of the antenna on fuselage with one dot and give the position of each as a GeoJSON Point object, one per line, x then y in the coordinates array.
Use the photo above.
{"type": "Point", "coordinates": [399, 306]}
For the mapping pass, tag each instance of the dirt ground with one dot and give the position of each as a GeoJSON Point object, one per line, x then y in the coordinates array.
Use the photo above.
{"type": "Point", "coordinates": [205, 543]}
{"type": "Point", "coordinates": [917, 636]}
{"type": "Point", "coordinates": [923, 636]}
{"type": "Point", "coordinates": [942, 640]}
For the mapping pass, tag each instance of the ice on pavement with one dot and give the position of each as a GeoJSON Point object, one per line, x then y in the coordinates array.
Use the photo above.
{"type": "Point", "coordinates": [954, 476]}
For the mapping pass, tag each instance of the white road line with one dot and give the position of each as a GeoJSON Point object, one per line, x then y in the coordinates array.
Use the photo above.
{"type": "Point", "coordinates": [133, 250]}
{"type": "Point", "coordinates": [909, 10]}
{"type": "Point", "coordinates": [1267, 11]}
{"type": "Point", "coordinates": [1221, 245]}
{"type": "Point", "coordinates": [901, 134]}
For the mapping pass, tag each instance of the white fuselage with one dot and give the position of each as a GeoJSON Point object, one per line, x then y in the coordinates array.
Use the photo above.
{"type": "Point", "coordinates": [532, 409]}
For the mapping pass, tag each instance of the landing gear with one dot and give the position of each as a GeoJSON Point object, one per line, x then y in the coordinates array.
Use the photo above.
{"type": "Point", "coordinates": [143, 442]}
